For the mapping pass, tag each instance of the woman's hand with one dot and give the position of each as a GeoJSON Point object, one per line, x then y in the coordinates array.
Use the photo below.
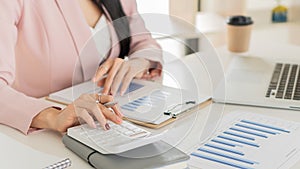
{"type": "Point", "coordinates": [83, 109]}
{"type": "Point", "coordinates": [121, 72]}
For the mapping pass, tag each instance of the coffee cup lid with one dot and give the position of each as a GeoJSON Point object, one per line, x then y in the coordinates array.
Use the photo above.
{"type": "Point", "coordinates": [239, 20]}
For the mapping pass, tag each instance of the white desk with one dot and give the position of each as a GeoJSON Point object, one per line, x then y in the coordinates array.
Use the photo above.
{"type": "Point", "coordinates": [47, 142]}
{"type": "Point", "coordinates": [50, 142]}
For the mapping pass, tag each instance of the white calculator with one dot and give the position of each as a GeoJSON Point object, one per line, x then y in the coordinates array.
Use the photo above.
{"type": "Point", "coordinates": [118, 139]}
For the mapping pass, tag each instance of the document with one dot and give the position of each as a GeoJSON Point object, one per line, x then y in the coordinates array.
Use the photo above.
{"type": "Point", "coordinates": [146, 103]}
{"type": "Point", "coordinates": [248, 141]}
{"type": "Point", "coordinates": [16, 155]}
{"type": "Point", "coordinates": [68, 95]}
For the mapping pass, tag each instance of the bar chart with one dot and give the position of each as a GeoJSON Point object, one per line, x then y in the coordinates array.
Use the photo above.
{"type": "Point", "coordinates": [145, 103]}
{"type": "Point", "coordinates": [249, 141]}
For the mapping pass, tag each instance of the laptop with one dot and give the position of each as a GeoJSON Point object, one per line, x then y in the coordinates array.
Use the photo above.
{"type": "Point", "coordinates": [265, 82]}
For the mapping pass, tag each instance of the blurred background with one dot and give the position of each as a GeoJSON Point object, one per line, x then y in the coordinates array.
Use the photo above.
{"type": "Point", "coordinates": [209, 16]}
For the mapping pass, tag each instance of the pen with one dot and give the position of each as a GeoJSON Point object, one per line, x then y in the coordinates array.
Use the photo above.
{"type": "Point", "coordinates": [174, 115]}
{"type": "Point", "coordinates": [110, 104]}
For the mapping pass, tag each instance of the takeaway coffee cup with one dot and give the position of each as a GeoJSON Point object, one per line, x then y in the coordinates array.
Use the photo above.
{"type": "Point", "coordinates": [239, 33]}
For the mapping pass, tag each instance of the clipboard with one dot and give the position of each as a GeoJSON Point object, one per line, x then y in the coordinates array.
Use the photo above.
{"type": "Point", "coordinates": [171, 120]}
{"type": "Point", "coordinates": [140, 89]}
{"type": "Point", "coordinates": [56, 101]}
{"type": "Point", "coordinates": [152, 125]}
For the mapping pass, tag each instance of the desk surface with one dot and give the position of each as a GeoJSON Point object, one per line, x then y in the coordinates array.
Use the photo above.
{"type": "Point", "coordinates": [50, 142]}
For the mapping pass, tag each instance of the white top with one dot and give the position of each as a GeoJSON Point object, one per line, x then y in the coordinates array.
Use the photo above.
{"type": "Point", "coordinates": [101, 36]}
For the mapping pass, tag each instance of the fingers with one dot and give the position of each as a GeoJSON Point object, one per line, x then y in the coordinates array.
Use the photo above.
{"type": "Point", "coordinates": [88, 103]}
{"type": "Point", "coordinates": [101, 82]}
{"type": "Point", "coordinates": [110, 115]}
{"type": "Point", "coordinates": [152, 74]}
{"type": "Point", "coordinates": [86, 108]}
{"type": "Point", "coordinates": [116, 70]}
{"type": "Point", "coordinates": [111, 75]}
{"type": "Point", "coordinates": [109, 98]}
{"type": "Point", "coordinates": [117, 111]}
{"type": "Point", "coordinates": [126, 81]}
{"type": "Point", "coordinates": [102, 70]}
{"type": "Point", "coordinates": [155, 73]}
{"type": "Point", "coordinates": [106, 98]}
{"type": "Point", "coordinates": [98, 113]}
{"type": "Point", "coordinates": [84, 114]}
{"type": "Point", "coordinates": [140, 74]}
{"type": "Point", "coordinates": [118, 79]}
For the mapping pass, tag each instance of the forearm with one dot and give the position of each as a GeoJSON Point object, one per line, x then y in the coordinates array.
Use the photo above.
{"type": "Point", "coordinates": [45, 119]}
{"type": "Point", "coordinates": [17, 110]}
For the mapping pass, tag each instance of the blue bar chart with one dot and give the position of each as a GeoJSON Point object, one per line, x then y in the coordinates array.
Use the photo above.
{"type": "Point", "coordinates": [148, 108]}
{"type": "Point", "coordinates": [146, 101]}
{"type": "Point", "coordinates": [249, 142]}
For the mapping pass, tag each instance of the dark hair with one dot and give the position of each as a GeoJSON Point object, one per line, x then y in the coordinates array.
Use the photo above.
{"type": "Point", "coordinates": [115, 10]}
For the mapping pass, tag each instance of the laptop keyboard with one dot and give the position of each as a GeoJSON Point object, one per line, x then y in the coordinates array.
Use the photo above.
{"type": "Point", "coordinates": [285, 82]}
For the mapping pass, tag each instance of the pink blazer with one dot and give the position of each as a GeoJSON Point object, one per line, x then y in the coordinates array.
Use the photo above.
{"type": "Point", "coordinates": [40, 47]}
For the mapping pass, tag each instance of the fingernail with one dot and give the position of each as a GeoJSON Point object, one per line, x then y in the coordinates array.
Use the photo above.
{"type": "Point", "coordinates": [119, 120]}
{"type": "Point", "coordinates": [107, 126]}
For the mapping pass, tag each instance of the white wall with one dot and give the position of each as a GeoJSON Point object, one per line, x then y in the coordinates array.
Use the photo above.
{"type": "Point", "coordinates": [260, 10]}
{"type": "Point", "coordinates": [295, 10]}
{"type": "Point", "coordinates": [153, 6]}
{"type": "Point", "coordinates": [163, 6]}
{"type": "Point", "coordinates": [265, 4]}
{"type": "Point", "coordinates": [212, 5]}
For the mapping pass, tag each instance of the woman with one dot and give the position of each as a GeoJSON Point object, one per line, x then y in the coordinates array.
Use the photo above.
{"type": "Point", "coordinates": [41, 46]}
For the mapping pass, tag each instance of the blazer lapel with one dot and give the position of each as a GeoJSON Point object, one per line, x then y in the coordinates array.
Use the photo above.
{"type": "Point", "coordinates": [81, 35]}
